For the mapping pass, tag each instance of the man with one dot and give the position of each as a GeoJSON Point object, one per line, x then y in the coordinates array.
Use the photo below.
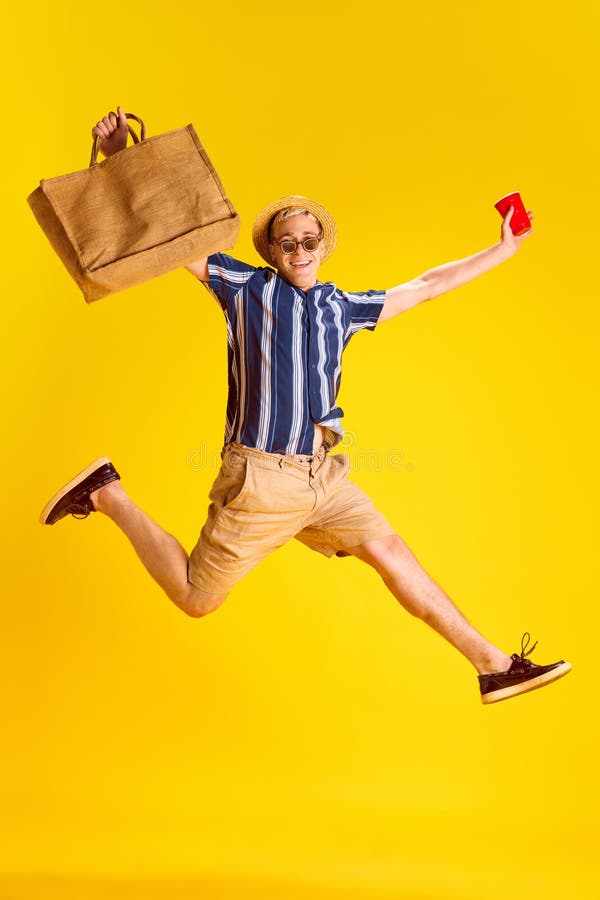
{"type": "Point", "coordinates": [286, 334]}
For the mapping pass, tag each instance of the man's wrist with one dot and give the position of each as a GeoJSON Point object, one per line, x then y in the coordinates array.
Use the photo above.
{"type": "Point", "coordinates": [502, 251]}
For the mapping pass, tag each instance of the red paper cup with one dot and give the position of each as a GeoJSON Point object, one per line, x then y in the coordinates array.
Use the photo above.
{"type": "Point", "coordinates": [520, 221]}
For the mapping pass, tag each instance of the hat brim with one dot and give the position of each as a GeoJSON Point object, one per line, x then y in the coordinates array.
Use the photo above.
{"type": "Point", "coordinates": [260, 230]}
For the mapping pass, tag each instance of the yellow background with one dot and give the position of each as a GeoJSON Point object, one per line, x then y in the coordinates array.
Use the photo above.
{"type": "Point", "coordinates": [309, 739]}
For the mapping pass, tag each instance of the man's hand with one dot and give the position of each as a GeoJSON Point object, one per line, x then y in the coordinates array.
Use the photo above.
{"type": "Point", "coordinates": [510, 242]}
{"type": "Point", "coordinates": [112, 132]}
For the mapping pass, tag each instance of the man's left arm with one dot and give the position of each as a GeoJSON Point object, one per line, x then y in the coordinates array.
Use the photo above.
{"type": "Point", "coordinates": [446, 278]}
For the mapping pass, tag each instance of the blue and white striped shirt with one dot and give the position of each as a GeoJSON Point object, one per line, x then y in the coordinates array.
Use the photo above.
{"type": "Point", "coordinates": [285, 350]}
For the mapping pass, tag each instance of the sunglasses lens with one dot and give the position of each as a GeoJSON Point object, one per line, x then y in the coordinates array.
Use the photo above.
{"type": "Point", "coordinates": [310, 245]}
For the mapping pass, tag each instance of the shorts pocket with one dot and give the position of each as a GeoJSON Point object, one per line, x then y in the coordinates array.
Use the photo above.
{"type": "Point", "coordinates": [232, 482]}
{"type": "Point", "coordinates": [342, 462]}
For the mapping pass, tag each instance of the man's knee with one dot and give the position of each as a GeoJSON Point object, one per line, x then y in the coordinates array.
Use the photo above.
{"type": "Point", "coordinates": [383, 554]}
{"type": "Point", "coordinates": [197, 603]}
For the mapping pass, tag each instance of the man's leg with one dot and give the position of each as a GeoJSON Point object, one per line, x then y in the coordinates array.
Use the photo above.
{"type": "Point", "coordinates": [422, 597]}
{"type": "Point", "coordinates": [162, 555]}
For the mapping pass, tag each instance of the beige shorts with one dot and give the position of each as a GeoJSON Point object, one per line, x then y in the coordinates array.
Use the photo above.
{"type": "Point", "coordinates": [259, 501]}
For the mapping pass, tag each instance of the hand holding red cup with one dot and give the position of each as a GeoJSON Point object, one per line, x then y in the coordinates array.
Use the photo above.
{"type": "Point", "coordinates": [520, 222]}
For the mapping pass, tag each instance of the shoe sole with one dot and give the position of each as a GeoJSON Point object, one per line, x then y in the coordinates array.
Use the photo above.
{"type": "Point", "coordinates": [525, 686]}
{"type": "Point", "coordinates": [101, 461]}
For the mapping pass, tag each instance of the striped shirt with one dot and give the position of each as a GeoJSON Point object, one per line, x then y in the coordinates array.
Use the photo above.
{"type": "Point", "coordinates": [285, 350]}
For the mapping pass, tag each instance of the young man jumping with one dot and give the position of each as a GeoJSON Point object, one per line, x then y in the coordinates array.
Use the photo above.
{"type": "Point", "coordinates": [286, 334]}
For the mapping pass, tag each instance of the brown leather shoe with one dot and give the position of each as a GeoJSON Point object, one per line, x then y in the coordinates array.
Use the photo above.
{"type": "Point", "coordinates": [74, 498]}
{"type": "Point", "coordinates": [521, 676]}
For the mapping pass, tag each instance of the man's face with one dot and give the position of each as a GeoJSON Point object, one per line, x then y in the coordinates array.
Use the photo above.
{"type": "Point", "coordinates": [300, 267]}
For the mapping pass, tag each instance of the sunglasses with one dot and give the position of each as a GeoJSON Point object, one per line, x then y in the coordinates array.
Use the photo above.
{"type": "Point", "coordinates": [310, 244]}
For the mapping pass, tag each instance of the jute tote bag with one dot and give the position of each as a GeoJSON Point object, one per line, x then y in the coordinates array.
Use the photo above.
{"type": "Point", "coordinates": [150, 208]}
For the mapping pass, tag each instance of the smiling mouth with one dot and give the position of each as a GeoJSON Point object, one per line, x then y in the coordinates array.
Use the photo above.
{"type": "Point", "coordinates": [301, 265]}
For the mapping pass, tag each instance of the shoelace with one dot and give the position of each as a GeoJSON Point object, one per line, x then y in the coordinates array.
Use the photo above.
{"type": "Point", "coordinates": [78, 510]}
{"type": "Point", "coordinates": [526, 650]}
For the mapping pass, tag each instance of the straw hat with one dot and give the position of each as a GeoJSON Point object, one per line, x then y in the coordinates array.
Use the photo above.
{"type": "Point", "coordinates": [260, 231]}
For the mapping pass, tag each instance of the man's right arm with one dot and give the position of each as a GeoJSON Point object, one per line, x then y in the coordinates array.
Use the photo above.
{"type": "Point", "coordinates": [199, 268]}
{"type": "Point", "coordinates": [112, 132]}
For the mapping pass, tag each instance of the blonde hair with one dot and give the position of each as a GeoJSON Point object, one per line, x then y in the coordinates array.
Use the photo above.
{"type": "Point", "coordinates": [289, 213]}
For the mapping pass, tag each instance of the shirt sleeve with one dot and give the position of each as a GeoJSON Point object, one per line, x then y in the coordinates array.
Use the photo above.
{"type": "Point", "coordinates": [364, 308]}
{"type": "Point", "coordinates": [227, 276]}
